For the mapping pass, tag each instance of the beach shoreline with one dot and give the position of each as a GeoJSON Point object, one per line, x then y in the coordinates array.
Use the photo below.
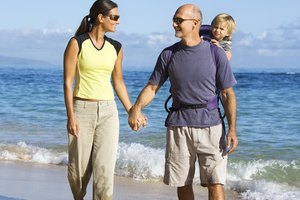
{"type": "Point", "coordinates": [33, 181]}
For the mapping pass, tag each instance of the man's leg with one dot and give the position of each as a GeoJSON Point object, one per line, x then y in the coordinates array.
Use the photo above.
{"type": "Point", "coordinates": [185, 193]}
{"type": "Point", "coordinates": [216, 192]}
{"type": "Point", "coordinates": [211, 161]}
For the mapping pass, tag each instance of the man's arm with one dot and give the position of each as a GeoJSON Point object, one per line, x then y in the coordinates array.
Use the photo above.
{"type": "Point", "coordinates": [229, 102]}
{"type": "Point", "coordinates": [136, 118]}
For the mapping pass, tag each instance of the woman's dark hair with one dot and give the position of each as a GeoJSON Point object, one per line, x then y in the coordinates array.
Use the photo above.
{"type": "Point", "coordinates": [99, 6]}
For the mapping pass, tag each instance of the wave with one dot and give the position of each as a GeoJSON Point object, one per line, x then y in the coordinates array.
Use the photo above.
{"type": "Point", "coordinates": [140, 162]}
{"type": "Point", "coordinates": [254, 180]}
{"type": "Point", "coordinates": [265, 179]}
{"type": "Point", "coordinates": [291, 73]}
{"type": "Point", "coordinates": [29, 153]}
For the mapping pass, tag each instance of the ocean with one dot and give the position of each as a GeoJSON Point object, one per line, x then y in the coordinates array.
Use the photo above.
{"type": "Point", "coordinates": [265, 166]}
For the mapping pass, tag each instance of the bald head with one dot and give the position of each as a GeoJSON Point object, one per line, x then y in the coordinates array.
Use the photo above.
{"type": "Point", "coordinates": [190, 11]}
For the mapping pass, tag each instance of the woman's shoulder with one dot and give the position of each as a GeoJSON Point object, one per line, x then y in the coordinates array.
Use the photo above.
{"type": "Point", "coordinates": [117, 45]}
{"type": "Point", "coordinates": [82, 37]}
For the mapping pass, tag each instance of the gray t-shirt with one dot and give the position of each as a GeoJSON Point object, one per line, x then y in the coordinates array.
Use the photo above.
{"type": "Point", "coordinates": [194, 79]}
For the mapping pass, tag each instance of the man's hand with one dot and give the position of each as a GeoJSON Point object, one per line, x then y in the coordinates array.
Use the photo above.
{"type": "Point", "coordinates": [136, 119]}
{"type": "Point", "coordinates": [232, 141]}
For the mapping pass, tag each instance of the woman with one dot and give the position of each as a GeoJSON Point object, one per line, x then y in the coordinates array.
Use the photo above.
{"type": "Point", "coordinates": [93, 121]}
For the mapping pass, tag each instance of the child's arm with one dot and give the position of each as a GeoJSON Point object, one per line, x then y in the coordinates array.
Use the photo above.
{"type": "Point", "coordinates": [228, 54]}
{"type": "Point", "coordinates": [215, 42]}
{"type": "Point", "coordinates": [226, 49]}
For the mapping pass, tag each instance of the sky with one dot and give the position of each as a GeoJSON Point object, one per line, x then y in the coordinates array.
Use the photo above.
{"type": "Point", "coordinates": [267, 34]}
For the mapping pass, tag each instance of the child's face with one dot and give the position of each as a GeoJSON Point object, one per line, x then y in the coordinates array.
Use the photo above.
{"type": "Point", "coordinates": [220, 31]}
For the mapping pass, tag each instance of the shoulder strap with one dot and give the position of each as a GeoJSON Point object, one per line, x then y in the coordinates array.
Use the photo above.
{"type": "Point", "coordinates": [214, 49]}
{"type": "Point", "coordinates": [170, 55]}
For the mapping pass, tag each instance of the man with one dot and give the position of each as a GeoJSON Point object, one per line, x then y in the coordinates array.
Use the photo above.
{"type": "Point", "coordinates": [194, 126]}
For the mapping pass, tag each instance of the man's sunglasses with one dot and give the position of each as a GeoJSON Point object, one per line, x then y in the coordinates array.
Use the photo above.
{"type": "Point", "coordinates": [114, 17]}
{"type": "Point", "coordinates": [178, 20]}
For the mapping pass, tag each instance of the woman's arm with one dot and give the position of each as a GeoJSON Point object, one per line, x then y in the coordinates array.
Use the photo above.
{"type": "Point", "coordinates": [118, 83]}
{"type": "Point", "coordinates": [144, 98]}
{"type": "Point", "coordinates": [70, 60]}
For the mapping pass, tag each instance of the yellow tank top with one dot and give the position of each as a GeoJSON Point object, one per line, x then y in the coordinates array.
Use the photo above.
{"type": "Point", "coordinates": [94, 68]}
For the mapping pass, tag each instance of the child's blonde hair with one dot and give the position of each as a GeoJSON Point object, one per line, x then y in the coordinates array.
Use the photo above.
{"type": "Point", "coordinates": [223, 17]}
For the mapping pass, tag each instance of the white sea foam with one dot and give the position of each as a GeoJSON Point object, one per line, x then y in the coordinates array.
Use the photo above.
{"type": "Point", "coordinates": [140, 162]}
{"type": "Point", "coordinates": [24, 152]}
{"type": "Point", "coordinates": [291, 73]}
{"type": "Point", "coordinates": [265, 179]}
{"type": "Point", "coordinates": [254, 180]}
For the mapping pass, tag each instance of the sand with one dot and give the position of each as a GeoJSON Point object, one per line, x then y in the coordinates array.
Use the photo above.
{"type": "Point", "coordinates": [30, 181]}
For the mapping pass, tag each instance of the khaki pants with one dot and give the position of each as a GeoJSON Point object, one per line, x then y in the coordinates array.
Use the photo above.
{"type": "Point", "coordinates": [94, 150]}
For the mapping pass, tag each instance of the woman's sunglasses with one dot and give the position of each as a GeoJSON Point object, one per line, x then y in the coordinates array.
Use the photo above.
{"type": "Point", "coordinates": [114, 17]}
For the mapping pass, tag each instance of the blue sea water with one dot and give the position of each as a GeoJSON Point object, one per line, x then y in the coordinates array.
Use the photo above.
{"type": "Point", "coordinates": [265, 166]}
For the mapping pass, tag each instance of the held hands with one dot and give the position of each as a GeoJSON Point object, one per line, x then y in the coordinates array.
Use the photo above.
{"type": "Point", "coordinates": [136, 119]}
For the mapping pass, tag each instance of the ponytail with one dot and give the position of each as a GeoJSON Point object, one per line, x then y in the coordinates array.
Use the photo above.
{"type": "Point", "coordinates": [85, 26]}
{"type": "Point", "coordinates": [99, 6]}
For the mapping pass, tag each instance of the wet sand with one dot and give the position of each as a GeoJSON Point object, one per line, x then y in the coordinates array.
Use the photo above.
{"type": "Point", "coordinates": [30, 181]}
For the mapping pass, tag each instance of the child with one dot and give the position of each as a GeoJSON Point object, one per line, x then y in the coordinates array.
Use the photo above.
{"type": "Point", "coordinates": [223, 25]}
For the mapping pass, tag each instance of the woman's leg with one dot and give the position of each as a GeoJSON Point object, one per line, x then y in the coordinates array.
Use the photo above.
{"type": "Point", "coordinates": [105, 150]}
{"type": "Point", "coordinates": [80, 148]}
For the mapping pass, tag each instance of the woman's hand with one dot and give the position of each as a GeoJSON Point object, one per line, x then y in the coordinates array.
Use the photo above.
{"type": "Point", "coordinates": [73, 126]}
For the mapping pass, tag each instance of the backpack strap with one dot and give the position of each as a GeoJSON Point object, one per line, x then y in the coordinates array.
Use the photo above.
{"type": "Point", "coordinates": [169, 58]}
{"type": "Point", "coordinates": [214, 49]}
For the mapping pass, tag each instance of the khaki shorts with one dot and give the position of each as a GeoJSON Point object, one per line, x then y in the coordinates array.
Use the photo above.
{"type": "Point", "coordinates": [184, 145]}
